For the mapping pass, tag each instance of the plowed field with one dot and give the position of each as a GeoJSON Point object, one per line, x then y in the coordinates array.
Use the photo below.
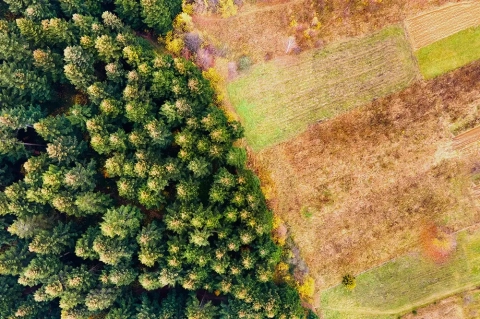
{"type": "Point", "coordinates": [433, 25]}
{"type": "Point", "coordinates": [279, 99]}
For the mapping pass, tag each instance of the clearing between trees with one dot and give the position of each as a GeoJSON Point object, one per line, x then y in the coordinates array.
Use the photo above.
{"type": "Point", "coordinates": [279, 99]}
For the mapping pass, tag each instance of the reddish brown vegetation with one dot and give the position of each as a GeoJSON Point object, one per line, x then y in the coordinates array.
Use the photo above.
{"type": "Point", "coordinates": [437, 244]}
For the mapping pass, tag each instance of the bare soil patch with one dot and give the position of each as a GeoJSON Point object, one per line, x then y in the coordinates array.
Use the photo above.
{"type": "Point", "coordinates": [438, 23]}
{"type": "Point", "coordinates": [359, 189]}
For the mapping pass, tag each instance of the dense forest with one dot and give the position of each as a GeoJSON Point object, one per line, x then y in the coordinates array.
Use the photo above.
{"type": "Point", "coordinates": [122, 194]}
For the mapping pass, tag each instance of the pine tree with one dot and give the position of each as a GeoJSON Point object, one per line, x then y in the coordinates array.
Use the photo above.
{"type": "Point", "coordinates": [29, 226]}
{"type": "Point", "coordinates": [129, 11]}
{"type": "Point", "coordinates": [122, 222]}
{"type": "Point", "coordinates": [52, 127]}
{"type": "Point", "coordinates": [108, 50]}
{"type": "Point", "coordinates": [92, 203]}
{"type": "Point", "coordinates": [40, 270]}
{"type": "Point", "coordinates": [199, 310]}
{"type": "Point", "coordinates": [61, 238]}
{"type": "Point", "coordinates": [65, 149]}
{"type": "Point", "coordinates": [100, 299]}
{"type": "Point", "coordinates": [112, 251]}
{"type": "Point", "coordinates": [81, 177]}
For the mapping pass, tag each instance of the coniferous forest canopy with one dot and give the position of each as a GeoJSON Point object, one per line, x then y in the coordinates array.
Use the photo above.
{"type": "Point", "coordinates": [121, 192]}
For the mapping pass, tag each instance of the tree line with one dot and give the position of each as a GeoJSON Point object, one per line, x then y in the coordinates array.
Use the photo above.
{"type": "Point", "coordinates": [122, 193]}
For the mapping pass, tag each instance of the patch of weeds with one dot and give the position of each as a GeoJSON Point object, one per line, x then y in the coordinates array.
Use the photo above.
{"type": "Point", "coordinates": [306, 212]}
{"type": "Point", "coordinates": [244, 63]}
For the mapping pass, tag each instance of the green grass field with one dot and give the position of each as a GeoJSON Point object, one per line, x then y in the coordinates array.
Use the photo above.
{"type": "Point", "coordinates": [450, 53]}
{"type": "Point", "coordinates": [405, 284]}
{"type": "Point", "coordinates": [281, 98]}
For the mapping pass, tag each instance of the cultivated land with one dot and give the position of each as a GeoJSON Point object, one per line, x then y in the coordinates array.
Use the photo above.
{"type": "Point", "coordinates": [406, 283]}
{"type": "Point", "coordinates": [433, 25]}
{"type": "Point", "coordinates": [449, 53]}
{"type": "Point", "coordinates": [359, 189]}
{"type": "Point", "coordinates": [279, 99]}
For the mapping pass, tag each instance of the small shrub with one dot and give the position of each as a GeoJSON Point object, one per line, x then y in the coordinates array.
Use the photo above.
{"type": "Point", "coordinates": [227, 8]}
{"type": "Point", "coordinates": [192, 41]}
{"type": "Point", "coordinates": [349, 281]}
{"type": "Point", "coordinates": [205, 59]}
{"type": "Point", "coordinates": [244, 63]}
{"type": "Point", "coordinates": [307, 289]}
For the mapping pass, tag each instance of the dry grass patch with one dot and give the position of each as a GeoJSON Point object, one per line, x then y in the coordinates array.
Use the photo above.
{"type": "Point", "coordinates": [278, 99]}
{"type": "Point", "coordinates": [436, 24]}
{"type": "Point", "coordinates": [359, 189]}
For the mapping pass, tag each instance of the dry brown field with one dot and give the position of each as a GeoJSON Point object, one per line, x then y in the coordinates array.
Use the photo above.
{"type": "Point", "coordinates": [438, 23]}
{"type": "Point", "coordinates": [359, 189]}
{"type": "Point", "coordinates": [261, 29]}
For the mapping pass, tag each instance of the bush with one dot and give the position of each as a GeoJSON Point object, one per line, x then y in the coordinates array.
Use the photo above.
{"type": "Point", "coordinates": [192, 41]}
{"type": "Point", "coordinates": [349, 281]}
{"type": "Point", "coordinates": [244, 63]}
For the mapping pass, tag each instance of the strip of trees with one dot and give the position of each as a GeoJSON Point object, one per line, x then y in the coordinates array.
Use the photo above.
{"type": "Point", "coordinates": [122, 194]}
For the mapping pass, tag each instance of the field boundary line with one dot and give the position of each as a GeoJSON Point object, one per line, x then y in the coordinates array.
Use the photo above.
{"type": "Point", "coordinates": [418, 74]}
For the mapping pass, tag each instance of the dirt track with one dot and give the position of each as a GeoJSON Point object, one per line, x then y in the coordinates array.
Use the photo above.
{"type": "Point", "coordinates": [433, 25]}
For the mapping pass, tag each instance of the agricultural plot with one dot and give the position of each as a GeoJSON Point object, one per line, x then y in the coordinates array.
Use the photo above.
{"type": "Point", "coordinates": [433, 25]}
{"type": "Point", "coordinates": [281, 98]}
{"type": "Point", "coordinates": [406, 283]}
{"type": "Point", "coordinates": [449, 53]}
{"type": "Point", "coordinates": [359, 189]}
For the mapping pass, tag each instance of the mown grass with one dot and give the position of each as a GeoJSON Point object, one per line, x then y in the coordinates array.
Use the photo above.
{"type": "Point", "coordinates": [407, 283]}
{"type": "Point", "coordinates": [450, 53]}
{"type": "Point", "coordinates": [279, 99]}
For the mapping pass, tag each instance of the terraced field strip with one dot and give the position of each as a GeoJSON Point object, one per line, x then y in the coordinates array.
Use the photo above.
{"type": "Point", "coordinates": [434, 25]}
{"type": "Point", "coordinates": [464, 140]}
{"type": "Point", "coordinates": [279, 99]}
{"type": "Point", "coordinates": [406, 283]}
